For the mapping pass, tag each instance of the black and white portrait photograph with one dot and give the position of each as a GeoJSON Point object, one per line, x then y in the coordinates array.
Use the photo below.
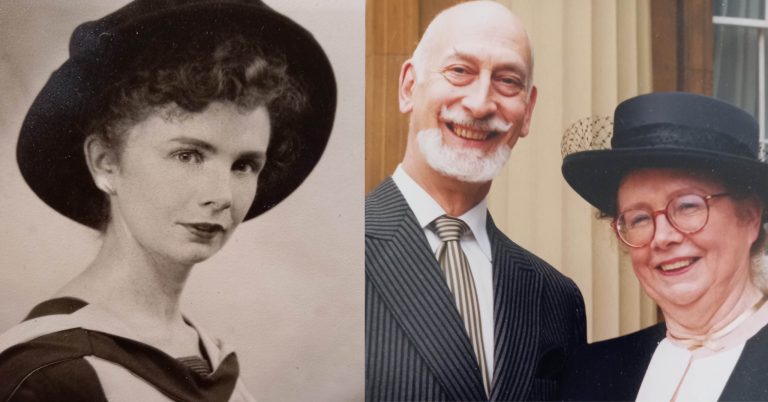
{"type": "Point", "coordinates": [182, 200]}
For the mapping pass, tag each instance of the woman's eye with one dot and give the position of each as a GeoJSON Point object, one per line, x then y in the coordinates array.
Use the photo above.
{"type": "Point", "coordinates": [640, 220]}
{"type": "Point", "coordinates": [189, 156]}
{"type": "Point", "coordinates": [247, 166]}
{"type": "Point", "coordinates": [689, 208]}
{"type": "Point", "coordinates": [634, 219]}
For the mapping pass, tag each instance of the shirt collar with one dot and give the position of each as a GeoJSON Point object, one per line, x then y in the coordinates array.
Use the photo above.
{"type": "Point", "coordinates": [427, 209]}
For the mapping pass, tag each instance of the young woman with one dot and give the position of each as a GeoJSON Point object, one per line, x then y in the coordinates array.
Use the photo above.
{"type": "Point", "coordinates": [170, 124]}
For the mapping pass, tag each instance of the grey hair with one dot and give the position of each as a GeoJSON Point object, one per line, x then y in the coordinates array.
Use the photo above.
{"type": "Point", "coordinates": [759, 264]}
{"type": "Point", "coordinates": [759, 272]}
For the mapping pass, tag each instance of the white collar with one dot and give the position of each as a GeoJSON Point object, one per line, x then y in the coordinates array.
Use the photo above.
{"type": "Point", "coordinates": [94, 318]}
{"type": "Point", "coordinates": [427, 209]}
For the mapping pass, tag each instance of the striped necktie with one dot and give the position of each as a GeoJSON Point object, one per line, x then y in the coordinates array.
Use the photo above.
{"type": "Point", "coordinates": [455, 266]}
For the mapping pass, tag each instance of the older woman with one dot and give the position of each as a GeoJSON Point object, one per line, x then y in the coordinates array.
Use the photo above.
{"type": "Point", "coordinates": [170, 124]}
{"type": "Point", "coordinates": [687, 195]}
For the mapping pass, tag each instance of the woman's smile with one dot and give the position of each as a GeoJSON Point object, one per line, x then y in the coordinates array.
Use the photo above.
{"type": "Point", "coordinates": [675, 268]}
{"type": "Point", "coordinates": [676, 264]}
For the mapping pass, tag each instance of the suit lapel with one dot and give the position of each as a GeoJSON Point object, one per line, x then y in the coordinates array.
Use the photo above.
{"type": "Point", "coordinates": [517, 293]}
{"type": "Point", "coordinates": [400, 264]}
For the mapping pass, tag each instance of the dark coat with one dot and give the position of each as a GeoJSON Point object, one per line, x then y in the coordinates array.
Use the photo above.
{"type": "Point", "coordinates": [613, 370]}
{"type": "Point", "coordinates": [416, 345]}
{"type": "Point", "coordinates": [60, 357]}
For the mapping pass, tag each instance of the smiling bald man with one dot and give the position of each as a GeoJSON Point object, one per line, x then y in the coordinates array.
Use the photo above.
{"type": "Point", "coordinates": [454, 309]}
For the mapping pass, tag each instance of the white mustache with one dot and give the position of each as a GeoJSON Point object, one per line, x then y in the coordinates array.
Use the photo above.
{"type": "Point", "coordinates": [459, 117]}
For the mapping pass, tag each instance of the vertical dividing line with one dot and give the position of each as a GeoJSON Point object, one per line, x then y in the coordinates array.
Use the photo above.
{"type": "Point", "coordinates": [761, 81]}
{"type": "Point", "coordinates": [680, 32]}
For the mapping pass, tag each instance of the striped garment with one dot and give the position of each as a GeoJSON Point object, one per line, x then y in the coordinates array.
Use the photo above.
{"type": "Point", "coordinates": [458, 276]}
{"type": "Point", "coordinates": [416, 346]}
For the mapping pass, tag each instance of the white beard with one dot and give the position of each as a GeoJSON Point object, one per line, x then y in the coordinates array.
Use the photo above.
{"type": "Point", "coordinates": [465, 164]}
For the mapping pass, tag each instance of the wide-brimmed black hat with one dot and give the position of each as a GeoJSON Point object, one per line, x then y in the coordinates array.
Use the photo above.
{"type": "Point", "coordinates": [102, 52]}
{"type": "Point", "coordinates": [667, 130]}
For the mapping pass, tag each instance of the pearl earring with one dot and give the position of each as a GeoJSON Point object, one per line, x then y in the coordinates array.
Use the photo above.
{"type": "Point", "coordinates": [104, 186]}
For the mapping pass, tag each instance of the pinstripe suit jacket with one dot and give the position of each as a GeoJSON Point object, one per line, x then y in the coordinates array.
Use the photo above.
{"type": "Point", "coordinates": [416, 345]}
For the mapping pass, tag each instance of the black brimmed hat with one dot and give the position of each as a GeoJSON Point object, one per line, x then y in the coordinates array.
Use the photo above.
{"type": "Point", "coordinates": [102, 52]}
{"type": "Point", "coordinates": [666, 130]}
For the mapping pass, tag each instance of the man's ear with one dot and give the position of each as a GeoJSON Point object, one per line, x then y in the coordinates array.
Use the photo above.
{"type": "Point", "coordinates": [102, 163]}
{"type": "Point", "coordinates": [529, 111]}
{"type": "Point", "coordinates": [405, 87]}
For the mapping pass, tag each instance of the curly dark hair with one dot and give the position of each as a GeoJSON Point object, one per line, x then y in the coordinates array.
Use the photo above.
{"type": "Point", "coordinates": [213, 69]}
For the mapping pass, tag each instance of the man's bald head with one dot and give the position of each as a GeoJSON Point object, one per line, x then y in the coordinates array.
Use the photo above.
{"type": "Point", "coordinates": [472, 18]}
{"type": "Point", "coordinates": [469, 92]}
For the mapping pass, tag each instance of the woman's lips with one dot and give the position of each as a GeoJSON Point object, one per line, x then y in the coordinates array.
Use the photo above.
{"type": "Point", "coordinates": [204, 230]}
{"type": "Point", "coordinates": [677, 266]}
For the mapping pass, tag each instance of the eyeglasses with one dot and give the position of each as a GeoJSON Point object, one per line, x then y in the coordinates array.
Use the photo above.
{"type": "Point", "coordinates": [687, 213]}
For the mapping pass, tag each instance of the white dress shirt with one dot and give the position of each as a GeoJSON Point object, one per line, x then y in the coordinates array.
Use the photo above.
{"type": "Point", "coordinates": [475, 244]}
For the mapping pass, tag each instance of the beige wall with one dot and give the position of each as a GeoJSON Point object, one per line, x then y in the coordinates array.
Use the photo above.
{"type": "Point", "coordinates": [590, 55]}
{"type": "Point", "coordinates": [287, 291]}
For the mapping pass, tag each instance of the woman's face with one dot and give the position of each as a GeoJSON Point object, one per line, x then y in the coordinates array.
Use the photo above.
{"type": "Point", "coordinates": [705, 266]}
{"type": "Point", "coordinates": [184, 183]}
